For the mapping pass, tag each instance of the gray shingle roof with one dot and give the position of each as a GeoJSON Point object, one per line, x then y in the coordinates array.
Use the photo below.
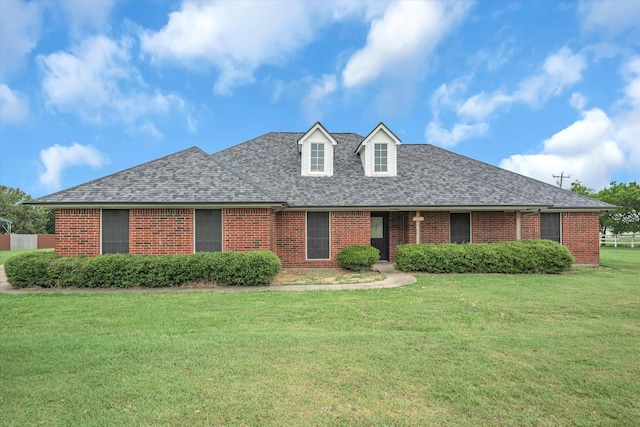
{"type": "Point", "coordinates": [267, 170]}
{"type": "Point", "coordinates": [188, 176]}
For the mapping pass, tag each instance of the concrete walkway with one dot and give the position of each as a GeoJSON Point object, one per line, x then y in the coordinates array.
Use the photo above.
{"type": "Point", "coordinates": [394, 278]}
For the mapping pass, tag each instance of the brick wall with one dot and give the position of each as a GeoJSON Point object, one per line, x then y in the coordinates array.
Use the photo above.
{"type": "Point", "coordinates": [161, 231]}
{"type": "Point", "coordinates": [530, 226]}
{"type": "Point", "coordinates": [580, 234]}
{"type": "Point", "coordinates": [490, 227]}
{"type": "Point", "coordinates": [289, 238]}
{"type": "Point", "coordinates": [246, 229]}
{"type": "Point", "coordinates": [170, 231]}
{"type": "Point", "coordinates": [399, 229]}
{"type": "Point", "coordinates": [77, 232]}
{"type": "Point", "coordinates": [434, 228]}
{"type": "Point", "coordinates": [347, 228]}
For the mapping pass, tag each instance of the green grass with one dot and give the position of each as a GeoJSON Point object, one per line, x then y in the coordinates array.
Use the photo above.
{"type": "Point", "coordinates": [4, 255]}
{"type": "Point", "coordinates": [447, 350]}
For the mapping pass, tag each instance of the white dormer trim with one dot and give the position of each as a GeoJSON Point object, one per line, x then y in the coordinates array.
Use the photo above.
{"type": "Point", "coordinates": [385, 140]}
{"type": "Point", "coordinates": [316, 135]}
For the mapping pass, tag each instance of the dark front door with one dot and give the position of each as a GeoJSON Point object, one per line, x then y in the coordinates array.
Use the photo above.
{"type": "Point", "coordinates": [380, 233]}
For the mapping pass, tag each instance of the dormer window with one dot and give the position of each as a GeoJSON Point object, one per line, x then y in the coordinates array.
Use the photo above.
{"type": "Point", "coordinates": [380, 158]}
{"type": "Point", "coordinates": [378, 152]}
{"type": "Point", "coordinates": [316, 149]}
{"type": "Point", "coordinates": [317, 157]}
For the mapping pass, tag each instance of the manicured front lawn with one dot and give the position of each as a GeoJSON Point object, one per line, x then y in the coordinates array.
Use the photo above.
{"type": "Point", "coordinates": [447, 350]}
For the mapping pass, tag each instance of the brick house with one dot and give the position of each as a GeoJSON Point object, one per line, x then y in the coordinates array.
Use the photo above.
{"type": "Point", "coordinates": [305, 196]}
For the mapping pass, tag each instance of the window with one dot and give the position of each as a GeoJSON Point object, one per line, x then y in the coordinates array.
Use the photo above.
{"type": "Point", "coordinates": [115, 231]}
{"type": "Point", "coordinates": [208, 230]}
{"type": "Point", "coordinates": [460, 227]}
{"type": "Point", "coordinates": [550, 226]}
{"type": "Point", "coordinates": [380, 158]}
{"type": "Point", "coordinates": [317, 157]}
{"type": "Point", "coordinates": [318, 235]}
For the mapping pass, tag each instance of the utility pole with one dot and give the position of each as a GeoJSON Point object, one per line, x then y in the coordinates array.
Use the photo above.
{"type": "Point", "coordinates": [560, 178]}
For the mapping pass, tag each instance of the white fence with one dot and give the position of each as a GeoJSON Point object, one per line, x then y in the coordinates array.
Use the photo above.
{"type": "Point", "coordinates": [623, 239]}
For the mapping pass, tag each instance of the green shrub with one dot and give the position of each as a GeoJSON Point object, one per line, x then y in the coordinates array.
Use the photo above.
{"type": "Point", "coordinates": [67, 271]}
{"type": "Point", "coordinates": [358, 257]}
{"type": "Point", "coordinates": [526, 256]}
{"type": "Point", "coordinates": [108, 271]}
{"type": "Point", "coordinates": [29, 269]}
{"type": "Point", "coordinates": [124, 271]}
{"type": "Point", "coordinates": [254, 268]}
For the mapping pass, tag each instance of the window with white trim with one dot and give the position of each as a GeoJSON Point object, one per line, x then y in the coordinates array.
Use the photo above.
{"type": "Point", "coordinates": [318, 235]}
{"type": "Point", "coordinates": [317, 157]}
{"type": "Point", "coordinates": [380, 158]}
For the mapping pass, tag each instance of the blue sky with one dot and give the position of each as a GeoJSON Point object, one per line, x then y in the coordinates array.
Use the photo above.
{"type": "Point", "coordinates": [88, 88]}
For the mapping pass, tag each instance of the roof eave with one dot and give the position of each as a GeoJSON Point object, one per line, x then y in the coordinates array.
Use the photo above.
{"type": "Point", "coordinates": [157, 205]}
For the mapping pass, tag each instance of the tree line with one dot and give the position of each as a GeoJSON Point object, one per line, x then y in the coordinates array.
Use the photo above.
{"type": "Point", "coordinates": [25, 219]}
{"type": "Point", "coordinates": [625, 219]}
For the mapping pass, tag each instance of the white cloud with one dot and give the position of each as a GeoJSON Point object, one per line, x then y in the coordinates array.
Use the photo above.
{"type": "Point", "coordinates": [482, 105]}
{"type": "Point", "coordinates": [192, 124]}
{"type": "Point", "coordinates": [582, 136]}
{"type": "Point", "coordinates": [405, 35]}
{"type": "Point", "coordinates": [14, 107]}
{"type": "Point", "coordinates": [316, 97]}
{"type": "Point", "coordinates": [578, 101]}
{"type": "Point", "coordinates": [20, 27]}
{"type": "Point", "coordinates": [586, 150]}
{"type": "Point", "coordinates": [559, 71]}
{"type": "Point", "coordinates": [436, 134]}
{"type": "Point", "coordinates": [96, 81]}
{"type": "Point", "coordinates": [151, 129]}
{"type": "Point", "coordinates": [627, 122]}
{"type": "Point", "coordinates": [238, 37]}
{"type": "Point", "coordinates": [610, 17]}
{"type": "Point", "coordinates": [86, 16]}
{"type": "Point", "coordinates": [593, 148]}
{"type": "Point", "coordinates": [447, 94]}
{"type": "Point", "coordinates": [58, 157]}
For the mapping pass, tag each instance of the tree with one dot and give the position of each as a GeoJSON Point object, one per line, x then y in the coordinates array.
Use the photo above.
{"type": "Point", "coordinates": [626, 219]}
{"type": "Point", "coordinates": [26, 219]}
{"type": "Point", "coordinates": [578, 188]}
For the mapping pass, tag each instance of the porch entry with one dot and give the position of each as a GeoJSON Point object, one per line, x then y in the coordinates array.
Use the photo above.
{"type": "Point", "coordinates": [380, 233]}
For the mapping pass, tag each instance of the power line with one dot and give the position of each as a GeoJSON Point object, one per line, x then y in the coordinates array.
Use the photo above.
{"type": "Point", "coordinates": [560, 178]}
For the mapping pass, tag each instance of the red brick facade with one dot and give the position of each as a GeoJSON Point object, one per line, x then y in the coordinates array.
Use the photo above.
{"type": "Point", "coordinates": [580, 234]}
{"type": "Point", "coordinates": [78, 232]}
{"type": "Point", "coordinates": [491, 227]}
{"type": "Point", "coordinates": [531, 226]}
{"type": "Point", "coordinates": [161, 231]}
{"type": "Point", "coordinates": [246, 229]}
{"type": "Point", "coordinates": [347, 228]}
{"type": "Point", "coordinates": [170, 231]}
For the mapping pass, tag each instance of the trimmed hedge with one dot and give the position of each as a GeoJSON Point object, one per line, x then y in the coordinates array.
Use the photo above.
{"type": "Point", "coordinates": [526, 256]}
{"type": "Point", "coordinates": [30, 269]}
{"type": "Point", "coordinates": [358, 257]}
{"type": "Point", "coordinates": [124, 271]}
